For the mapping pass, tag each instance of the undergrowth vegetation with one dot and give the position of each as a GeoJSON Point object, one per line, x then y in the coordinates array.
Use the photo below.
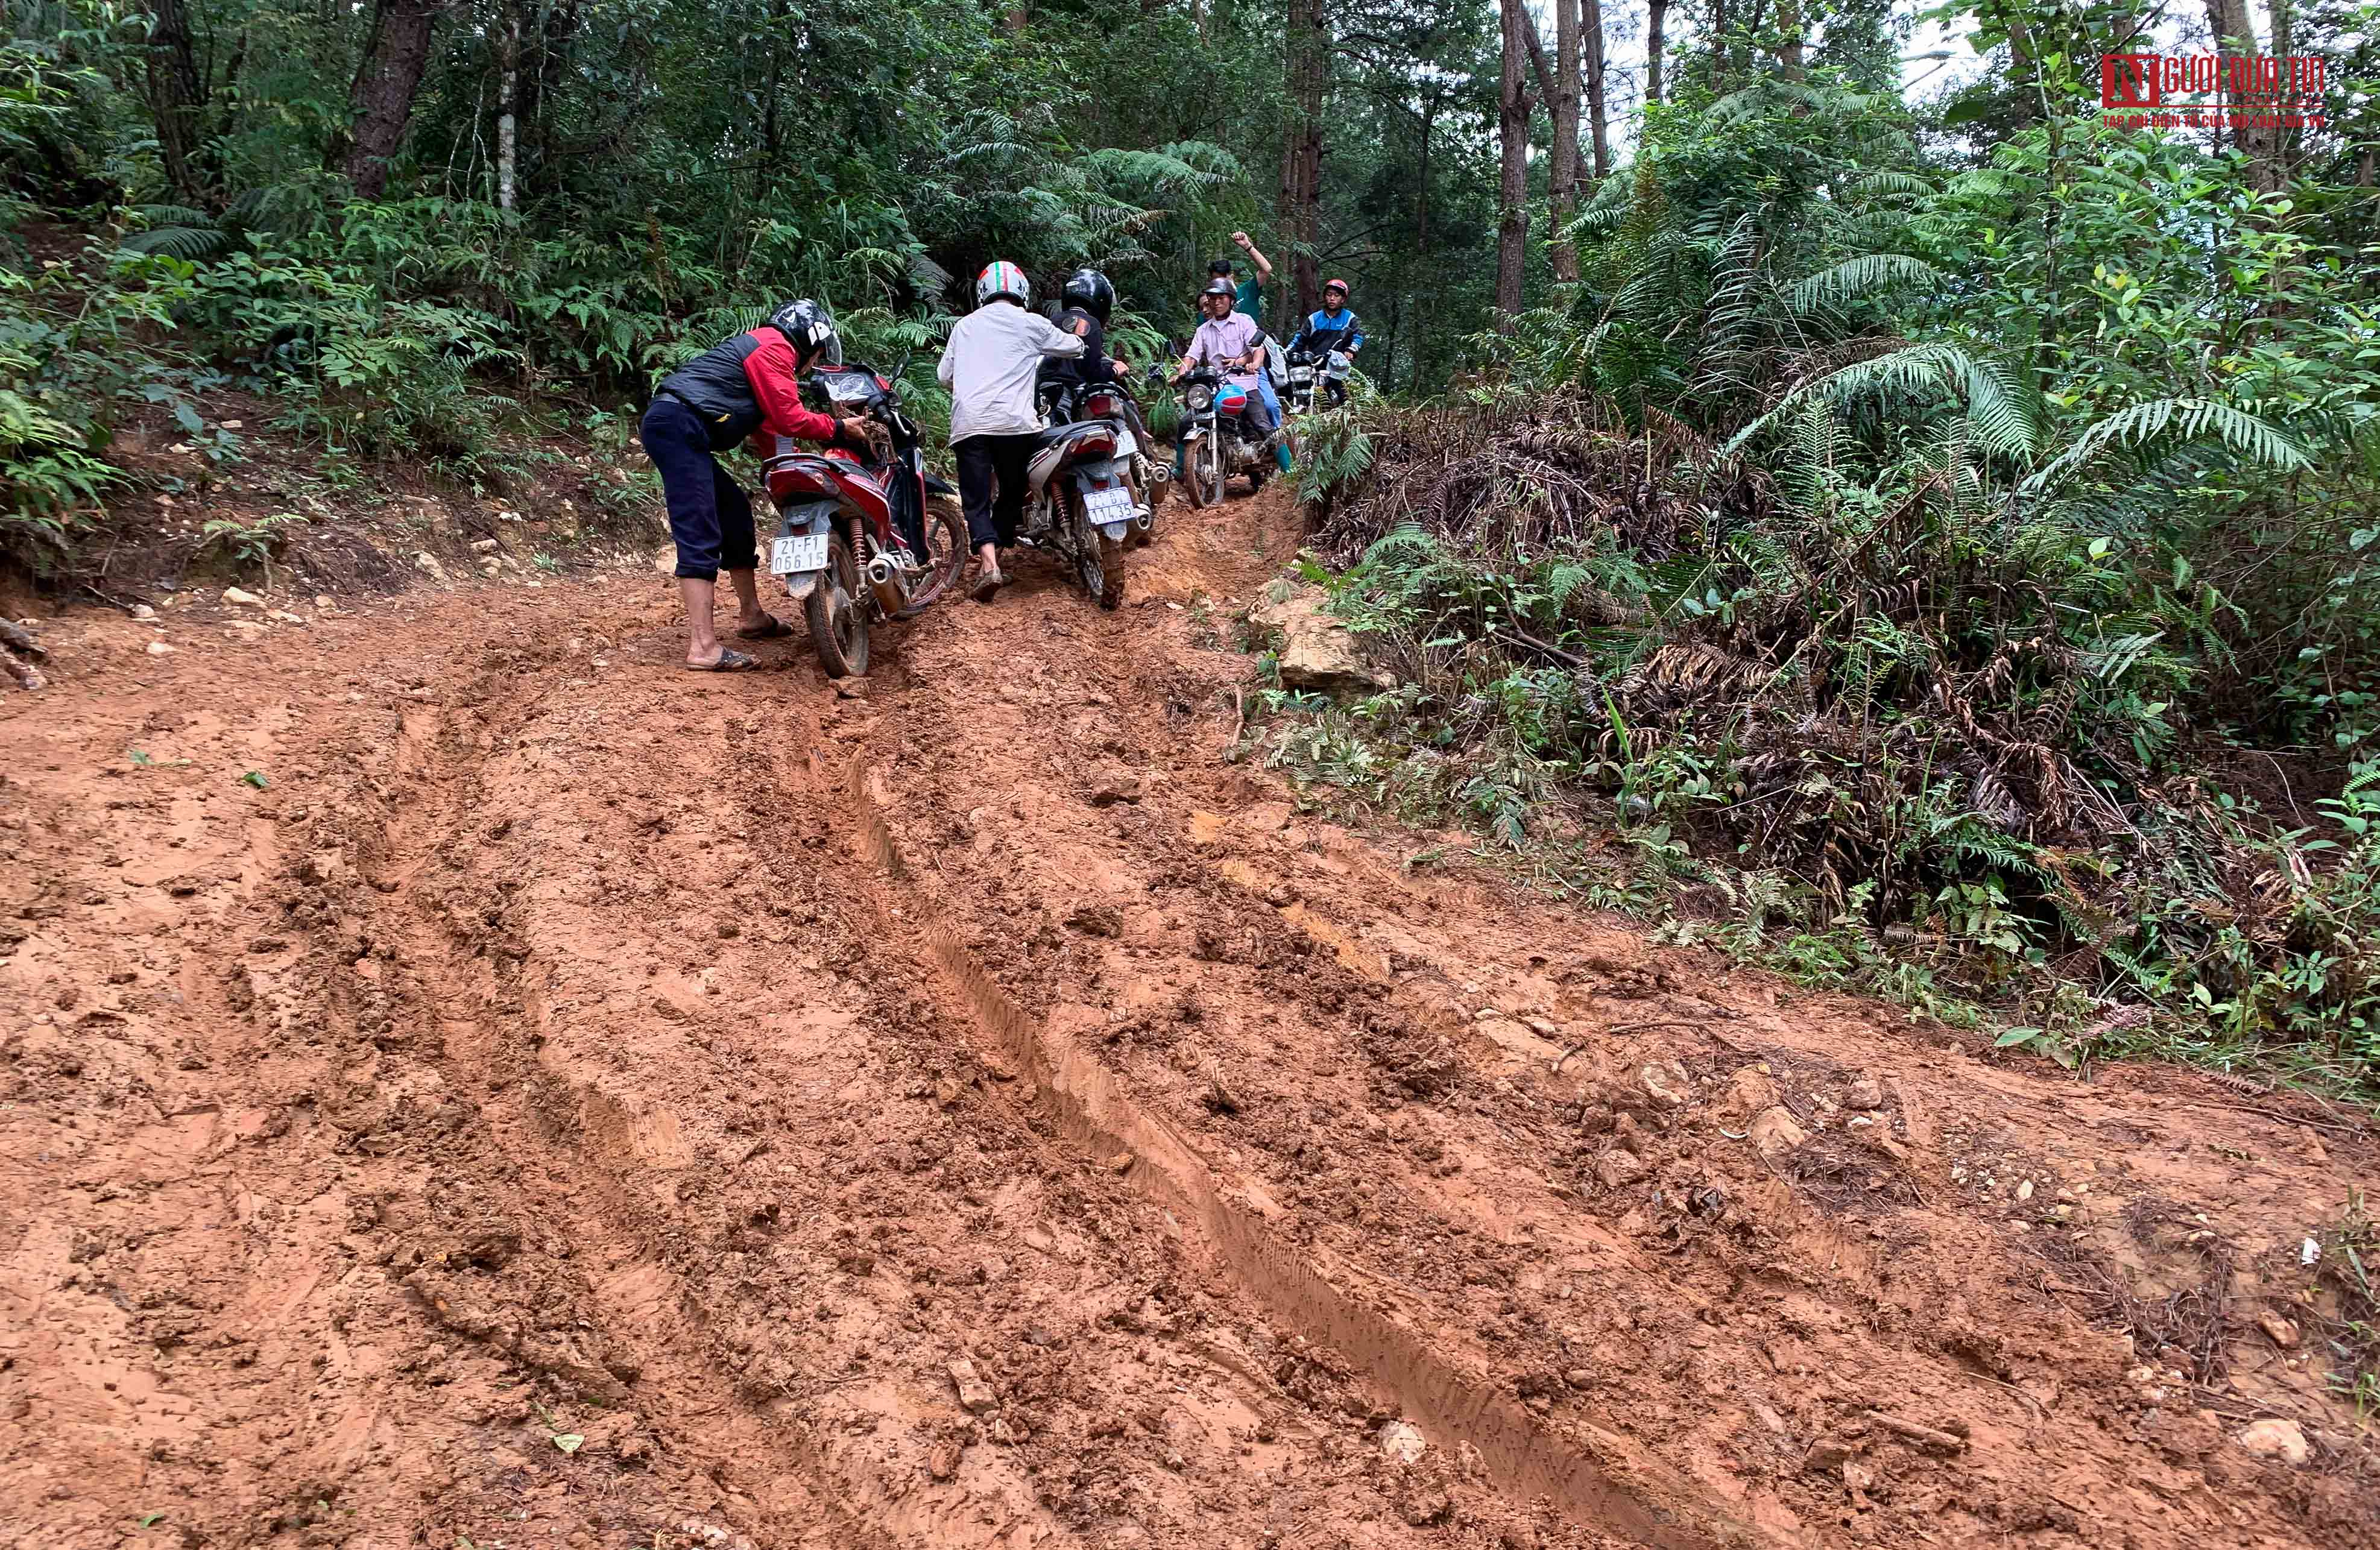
{"type": "Point", "coordinates": [1819, 576]}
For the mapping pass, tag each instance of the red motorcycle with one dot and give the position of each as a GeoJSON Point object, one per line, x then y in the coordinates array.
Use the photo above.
{"type": "Point", "coordinates": [858, 544]}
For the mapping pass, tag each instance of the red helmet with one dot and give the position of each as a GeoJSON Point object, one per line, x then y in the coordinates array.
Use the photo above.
{"type": "Point", "coordinates": [1339, 286]}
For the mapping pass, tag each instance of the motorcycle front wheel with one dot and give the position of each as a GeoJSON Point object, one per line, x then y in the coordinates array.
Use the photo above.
{"type": "Point", "coordinates": [945, 557]}
{"type": "Point", "coordinates": [1208, 480]}
{"type": "Point", "coordinates": [837, 614]}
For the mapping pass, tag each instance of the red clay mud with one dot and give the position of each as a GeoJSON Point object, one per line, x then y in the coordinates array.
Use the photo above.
{"type": "Point", "coordinates": [570, 1102]}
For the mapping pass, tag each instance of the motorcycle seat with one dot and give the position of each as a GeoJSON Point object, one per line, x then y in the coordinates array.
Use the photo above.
{"type": "Point", "coordinates": [1058, 435]}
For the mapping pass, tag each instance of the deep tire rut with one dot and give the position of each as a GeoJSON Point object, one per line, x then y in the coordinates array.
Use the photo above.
{"type": "Point", "coordinates": [1601, 1482]}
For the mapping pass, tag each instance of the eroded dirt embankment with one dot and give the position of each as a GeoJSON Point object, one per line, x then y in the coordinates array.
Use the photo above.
{"type": "Point", "coordinates": [573, 1102]}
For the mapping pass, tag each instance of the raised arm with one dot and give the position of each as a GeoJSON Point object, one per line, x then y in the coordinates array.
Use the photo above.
{"type": "Point", "coordinates": [1264, 265]}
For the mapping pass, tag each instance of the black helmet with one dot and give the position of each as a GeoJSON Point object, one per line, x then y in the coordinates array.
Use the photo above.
{"type": "Point", "coordinates": [808, 327]}
{"type": "Point", "coordinates": [1089, 290]}
{"type": "Point", "coordinates": [1219, 286]}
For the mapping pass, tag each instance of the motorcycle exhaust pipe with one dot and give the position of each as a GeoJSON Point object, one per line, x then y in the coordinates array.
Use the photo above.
{"type": "Point", "coordinates": [885, 580]}
{"type": "Point", "coordinates": [881, 570]}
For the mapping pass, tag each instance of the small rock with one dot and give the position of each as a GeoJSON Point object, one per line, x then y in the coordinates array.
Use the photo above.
{"type": "Point", "coordinates": [974, 1393]}
{"type": "Point", "coordinates": [1120, 1163]}
{"type": "Point", "coordinates": [1666, 1082]}
{"type": "Point", "coordinates": [851, 688]}
{"type": "Point", "coordinates": [2024, 1189]}
{"type": "Point", "coordinates": [943, 1461]}
{"type": "Point", "coordinates": [1402, 1441]}
{"type": "Point", "coordinates": [1114, 789]}
{"type": "Point", "coordinates": [427, 562]}
{"type": "Point", "coordinates": [1617, 1168]}
{"type": "Point", "coordinates": [1579, 1378]}
{"type": "Point", "coordinates": [946, 1092]}
{"type": "Point", "coordinates": [2280, 1331]}
{"type": "Point", "coordinates": [1866, 1093]}
{"type": "Point", "coordinates": [1828, 1455]}
{"type": "Point", "coordinates": [1775, 1130]}
{"type": "Point", "coordinates": [159, 648]}
{"type": "Point", "coordinates": [2277, 1438]}
{"type": "Point", "coordinates": [143, 613]}
{"type": "Point", "coordinates": [1750, 1090]}
{"type": "Point", "coordinates": [483, 546]}
{"type": "Point", "coordinates": [242, 597]}
{"type": "Point", "coordinates": [1097, 920]}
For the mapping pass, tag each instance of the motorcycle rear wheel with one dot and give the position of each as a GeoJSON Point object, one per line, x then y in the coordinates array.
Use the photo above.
{"type": "Point", "coordinates": [837, 613]}
{"type": "Point", "coordinates": [1098, 560]}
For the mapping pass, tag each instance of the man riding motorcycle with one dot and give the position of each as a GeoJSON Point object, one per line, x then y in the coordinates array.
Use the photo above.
{"type": "Point", "coordinates": [1230, 342]}
{"type": "Point", "coordinates": [1334, 328]}
{"type": "Point", "coordinates": [745, 387]}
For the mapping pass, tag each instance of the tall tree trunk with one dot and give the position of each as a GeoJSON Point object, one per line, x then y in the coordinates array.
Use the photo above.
{"type": "Point", "coordinates": [1789, 49]}
{"type": "Point", "coordinates": [2285, 48]}
{"type": "Point", "coordinates": [1657, 25]}
{"type": "Point", "coordinates": [507, 113]}
{"type": "Point", "coordinates": [385, 85]}
{"type": "Point", "coordinates": [1718, 47]}
{"type": "Point", "coordinates": [1513, 138]}
{"type": "Point", "coordinates": [1309, 71]}
{"type": "Point", "coordinates": [176, 99]}
{"type": "Point", "coordinates": [1561, 163]}
{"type": "Point", "coordinates": [1599, 115]}
{"type": "Point", "coordinates": [2235, 35]}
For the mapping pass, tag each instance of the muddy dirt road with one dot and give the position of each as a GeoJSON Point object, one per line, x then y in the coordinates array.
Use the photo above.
{"type": "Point", "coordinates": [573, 1103]}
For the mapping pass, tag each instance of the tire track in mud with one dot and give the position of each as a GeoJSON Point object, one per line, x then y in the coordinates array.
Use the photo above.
{"type": "Point", "coordinates": [1608, 1486]}
{"type": "Point", "coordinates": [453, 988]}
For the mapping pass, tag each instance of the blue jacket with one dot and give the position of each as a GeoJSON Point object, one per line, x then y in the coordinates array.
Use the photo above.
{"type": "Point", "coordinates": [1341, 323]}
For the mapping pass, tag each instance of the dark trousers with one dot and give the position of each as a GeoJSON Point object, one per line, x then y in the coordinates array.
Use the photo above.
{"type": "Point", "coordinates": [988, 464]}
{"type": "Point", "coordinates": [710, 515]}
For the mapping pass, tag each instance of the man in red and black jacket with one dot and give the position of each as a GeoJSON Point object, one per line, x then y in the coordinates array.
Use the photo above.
{"type": "Point", "coordinates": [747, 386]}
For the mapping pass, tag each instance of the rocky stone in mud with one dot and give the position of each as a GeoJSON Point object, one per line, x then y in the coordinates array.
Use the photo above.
{"type": "Point", "coordinates": [1402, 1442]}
{"type": "Point", "coordinates": [1318, 653]}
{"type": "Point", "coordinates": [975, 1394]}
{"type": "Point", "coordinates": [1617, 1168]}
{"type": "Point", "coordinates": [1775, 1132]}
{"type": "Point", "coordinates": [2277, 1438]}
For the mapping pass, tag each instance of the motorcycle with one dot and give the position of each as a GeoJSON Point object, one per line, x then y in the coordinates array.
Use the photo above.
{"type": "Point", "coordinates": [859, 545]}
{"type": "Point", "coordinates": [1065, 403]}
{"type": "Point", "coordinates": [1079, 501]}
{"type": "Point", "coordinates": [1316, 371]}
{"type": "Point", "coordinates": [1219, 438]}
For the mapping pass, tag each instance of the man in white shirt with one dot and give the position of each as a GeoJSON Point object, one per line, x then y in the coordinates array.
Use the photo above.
{"type": "Point", "coordinates": [989, 366]}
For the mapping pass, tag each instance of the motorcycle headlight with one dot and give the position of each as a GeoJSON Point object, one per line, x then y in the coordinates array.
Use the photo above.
{"type": "Point", "coordinates": [1200, 397]}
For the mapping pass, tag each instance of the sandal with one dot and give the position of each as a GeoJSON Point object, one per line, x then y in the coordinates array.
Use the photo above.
{"type": "Point", "coordinates": [773, 629]}
{"type": "Point", "coordinates": [728, 662]}
{"type": "Point", "coordinates": [987, 585]}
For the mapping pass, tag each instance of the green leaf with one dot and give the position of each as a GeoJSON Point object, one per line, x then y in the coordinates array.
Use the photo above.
{"type": "Point", "coordinates": [2015, 1037]}
{"type": "Point", "coordinates": [190, 418]}
{"type": "Point", "coordinates": [569, 1442]}
{"type": "Point", "coordinates": [147, 1517]}
{"type": "Point", "coordinates": [256, 778]}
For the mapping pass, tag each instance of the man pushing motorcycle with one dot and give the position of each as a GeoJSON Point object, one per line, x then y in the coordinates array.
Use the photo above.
{"type": "Point", "coordinates": [745, 387]}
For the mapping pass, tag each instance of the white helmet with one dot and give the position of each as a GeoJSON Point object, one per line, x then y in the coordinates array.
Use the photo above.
{"type": "Point", "coordinates": [1001, 278]}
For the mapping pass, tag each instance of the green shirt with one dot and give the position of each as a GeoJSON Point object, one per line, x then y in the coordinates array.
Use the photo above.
{"type": "Point", "coordinates": [1251, 297]}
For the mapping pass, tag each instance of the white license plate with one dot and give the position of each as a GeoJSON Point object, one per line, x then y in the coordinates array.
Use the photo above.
{"type": "Point", "coordinates": [1104, 506]}
{"type": "Point", "coordinates": [797, 552]}
{"type": "Point", "coordinates": [1125, 445]}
